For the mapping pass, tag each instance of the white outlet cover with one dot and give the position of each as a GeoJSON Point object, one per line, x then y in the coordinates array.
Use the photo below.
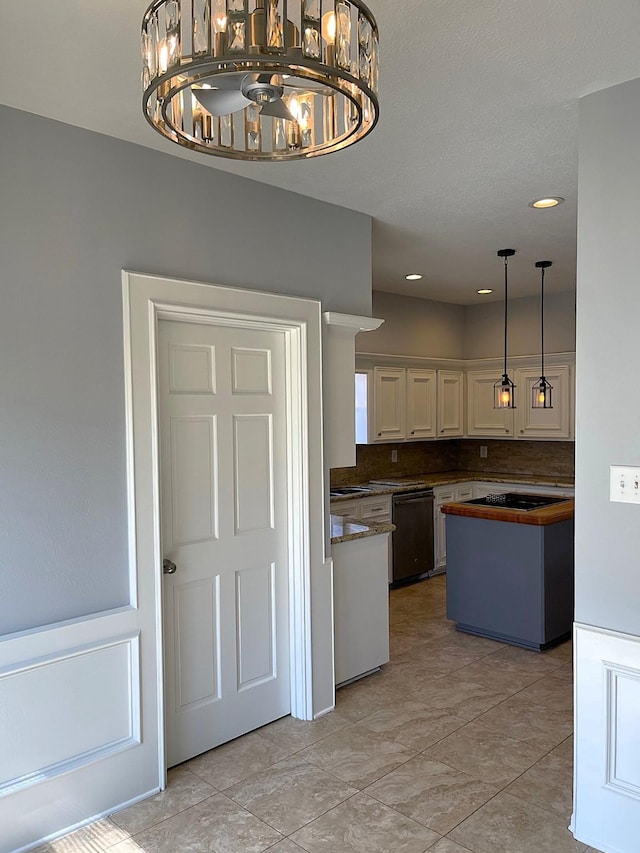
{"type": "Point", "coordinates": [625, 484]}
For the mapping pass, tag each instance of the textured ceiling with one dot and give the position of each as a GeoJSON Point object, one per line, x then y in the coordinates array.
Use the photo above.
{"type": "Point", "coordinates": [478, 117]}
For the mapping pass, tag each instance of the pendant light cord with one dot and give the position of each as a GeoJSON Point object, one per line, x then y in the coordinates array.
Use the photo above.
{"type": "Point", "coordinates": [505, 315]}
{"type": "Point", "coordinates": [542, 320]}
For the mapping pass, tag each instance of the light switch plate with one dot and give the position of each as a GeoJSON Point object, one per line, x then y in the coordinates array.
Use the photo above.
{"type": "Point", "coordinates": [625, 484]}
{"type": "Point", "coordinates": [483, 451]}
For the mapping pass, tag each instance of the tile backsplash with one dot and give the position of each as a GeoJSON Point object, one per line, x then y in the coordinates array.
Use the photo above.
{"type": "Point", "coordinates": [552, 458]}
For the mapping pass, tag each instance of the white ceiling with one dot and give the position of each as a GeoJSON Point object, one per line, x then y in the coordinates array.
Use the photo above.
{"type": "Point", "coordinates": [478, 117]}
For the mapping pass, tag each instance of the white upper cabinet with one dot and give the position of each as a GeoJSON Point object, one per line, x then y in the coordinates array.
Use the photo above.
{"type": "Point", "coordinates": [390, 403]}
{"type": "Point", "coordinates": [482, 418]}
{"type": "Point", "coordinates": [450, 403]}
{"type": "Point", "coordinates": [421, 404]}
{"type": "Point", "coordinates": [544, 423]}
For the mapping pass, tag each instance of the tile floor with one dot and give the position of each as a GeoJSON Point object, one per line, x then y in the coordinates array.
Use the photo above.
{"type": "Point", "coordinates": [459, 745]}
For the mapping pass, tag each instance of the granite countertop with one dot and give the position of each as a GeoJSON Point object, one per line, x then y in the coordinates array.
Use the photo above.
{"type": "Point", "coordinates": [448, 478]}
{"type": "Point", "coordinates": [344, 529]}
{"type": "Point", "coordinates": [563, 511]}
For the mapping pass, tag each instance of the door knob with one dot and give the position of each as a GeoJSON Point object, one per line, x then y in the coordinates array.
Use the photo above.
{"type": "Point", "coordinates": [169, 567]}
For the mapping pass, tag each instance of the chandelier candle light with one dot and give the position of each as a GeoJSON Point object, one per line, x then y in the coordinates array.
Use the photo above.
{"type": "Point", "coordinates": [504, 389]}
{"type": "Point", "coordinates": [260, 79]}
{"type": "Point", "coordinates": [541, 392]}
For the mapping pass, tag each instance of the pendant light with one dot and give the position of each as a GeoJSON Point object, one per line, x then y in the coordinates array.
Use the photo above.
{"type": "Point", "coordinates": [541, 391]}
{"type": "Point", "coordinates": [504, 390]}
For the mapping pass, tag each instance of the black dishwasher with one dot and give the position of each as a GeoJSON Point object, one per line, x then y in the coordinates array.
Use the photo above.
{"type": "Point", "coordinates": [413, 536]}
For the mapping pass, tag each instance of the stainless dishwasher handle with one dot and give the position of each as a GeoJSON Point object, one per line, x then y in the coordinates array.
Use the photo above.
{"type": "Point", "coordinates": [414, 501]}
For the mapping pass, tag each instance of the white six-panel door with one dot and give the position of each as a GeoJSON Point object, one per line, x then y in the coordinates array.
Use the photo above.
{"type": "Point", "coordinates": [224, 526]}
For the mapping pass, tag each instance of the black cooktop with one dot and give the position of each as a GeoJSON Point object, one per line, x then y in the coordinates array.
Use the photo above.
{"type": "Point", "coordinates": [515, 500]}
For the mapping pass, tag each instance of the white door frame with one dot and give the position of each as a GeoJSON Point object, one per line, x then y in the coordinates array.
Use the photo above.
{"type": "Point", "coordinates": [147, 299]}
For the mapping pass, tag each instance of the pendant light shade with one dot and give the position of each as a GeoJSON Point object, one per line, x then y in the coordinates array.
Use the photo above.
{"type": "Point", "coordinates": [542, 390]}
{"type": "Point", "coordinates": [504, 389]}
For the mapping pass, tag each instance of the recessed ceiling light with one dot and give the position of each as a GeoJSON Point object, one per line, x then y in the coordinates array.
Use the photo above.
{"type": "Point", "coordinates": [414, 276]}
{"type": "Point", "coordinates": [543, 203]}
{"type": "Point", "coordinates": [485, 290]}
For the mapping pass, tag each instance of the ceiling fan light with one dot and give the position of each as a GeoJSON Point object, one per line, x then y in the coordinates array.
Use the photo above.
{"type": "Point", "coordinates": [322, 53]}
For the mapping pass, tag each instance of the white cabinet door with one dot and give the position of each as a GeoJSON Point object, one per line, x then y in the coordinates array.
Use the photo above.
{"type": "Point", "coordinates": [421, 404]}
{"type": "Point", "coordinates": [444, 495]}
{"type": "Point", "coordinates": [450, 403]}
{"type": "Point", "coordinates": [544, 423]}
{"type": "Point", "coordinates": [390, 403]}
{"type": "Point", "coordinates": [482, 418]}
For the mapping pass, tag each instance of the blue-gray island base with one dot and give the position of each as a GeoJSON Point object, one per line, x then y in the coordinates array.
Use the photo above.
{"type": "Point", "coordinates": [511, 581]}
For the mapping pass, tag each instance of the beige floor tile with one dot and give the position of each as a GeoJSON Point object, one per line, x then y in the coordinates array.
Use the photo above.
{"type": "Point", "coordinates": [217, 825]}
{"type": "Point", "coordinates": [499, 674]}
{"type": "Point", "coordinates": [128, 846]}
{"type": "Point", "coordinates": [358, 700]}
{"type": "Point", "coordinates": [98, 837]}
{"type": "Point", "coordinates": [549, 692]}
{"type": "Point", "coordinates": [508, 825]}
{"type": "Point", "coordinates": [565, 672]}
{"type": "Point", "coordinates": [184, 789]}
{"type": "Point", "coordinates": [527, 659]}
{"type": "Point", "coordinates": [562, 653]}
{"type": "Point", "coordinates": [363, 825]}
{"type": "Point", "coordinates": [544, 727]}
{"type": "Point", "coordinates": [412, 724]}
{"type": "Point", "coordinates": [464, 699]}
{"type": "Point", "coordinates": [485, 755]}
{"type": "Point", "coordinates": [237, 760]}
{"type": "Point", "coordinates": [565, 749]}
{"type": "Point", "coordinates": [418, 668]}
{"type": "Point", "coordinates": [292, 734]}
{"type": "Point", "coordinates": [461, 641]}
{"type": "Point", "coordinates": [357, 755]}
{"type": "Point", "coordinates": [290, 794]}
{"type": "Point", "coordinates": [548, 784]}
{"type": "Point", "coordinates": [432, 793]}
{"type": "Point", "coordinates": [445, 845]}
{"type": "Point", "coordinates": [428, 630]}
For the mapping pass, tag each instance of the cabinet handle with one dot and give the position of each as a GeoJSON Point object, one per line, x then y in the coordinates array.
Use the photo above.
{"type": "Point", "coordinates": [379, 434]}
{"type": "Point", "coordinates": [413, 432]}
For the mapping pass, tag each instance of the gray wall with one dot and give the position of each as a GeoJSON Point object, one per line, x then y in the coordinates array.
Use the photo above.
{"type": "Point", "coordinates": [75, 208]}
{"type": "Point", "coordinates": [420, 327]}
{"type": "Point", "coordinates": [413, 326]}
{"type": "Point", "coordinates": [608, 405]}
{"type": "Point", "coordinates": [484, 326]}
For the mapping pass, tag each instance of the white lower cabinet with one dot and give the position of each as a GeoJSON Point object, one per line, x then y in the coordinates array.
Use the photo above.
{"type": "Point", "coordinates": [376, 508]}
{"type": "Point", "coordinates": [361, 606]}
{"type": "Point", "coordinates": [445, 495]}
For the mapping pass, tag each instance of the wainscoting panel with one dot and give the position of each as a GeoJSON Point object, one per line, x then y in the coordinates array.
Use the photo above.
{"type": "Point", "coordinates": [607, 771]}
{"type": "Point", "coordinates": [71, 721]}
{"type": "Point", "coordinates": [89, 697]}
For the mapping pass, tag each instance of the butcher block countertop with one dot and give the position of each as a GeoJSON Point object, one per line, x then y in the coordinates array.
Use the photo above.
{"type": "Point", "coordinates": [563, 511]}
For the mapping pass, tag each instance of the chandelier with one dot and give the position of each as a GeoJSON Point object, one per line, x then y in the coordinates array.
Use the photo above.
{"type": "Point", "coordinates": [260, 79]}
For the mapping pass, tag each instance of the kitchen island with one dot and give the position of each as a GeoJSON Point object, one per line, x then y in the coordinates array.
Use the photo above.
{"type": "Point", "coordinates": [510, 572]}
